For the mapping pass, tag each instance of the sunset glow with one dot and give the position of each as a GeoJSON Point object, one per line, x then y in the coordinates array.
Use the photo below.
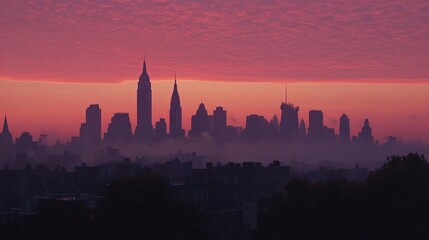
{"type": "Point", "coordinates": [58, 108]}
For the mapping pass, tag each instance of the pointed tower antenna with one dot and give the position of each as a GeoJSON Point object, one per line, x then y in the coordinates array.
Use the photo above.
{"type": "Point", "coordinates": [285, 92]}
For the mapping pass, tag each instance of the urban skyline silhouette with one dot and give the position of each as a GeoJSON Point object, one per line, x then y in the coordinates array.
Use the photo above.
{"type": "Point", "coordinates": [214, 120]}
{"type": "Point", "coordinates": [290, 126]}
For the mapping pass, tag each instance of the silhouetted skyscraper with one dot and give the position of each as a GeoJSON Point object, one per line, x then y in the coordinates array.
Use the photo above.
{"type": "Point", "coordinates": [199, 122]}
{"type": "Point", "coordinates": [344, 128]}
{"type": "Point", "coordinates": [93, 122]}
{"type": "Point", "coordinates": [144, 129]}
{"type": "Point", "coordinates": [161, 129]}
{"type": "Point", "coordinates": [257, 127]}
{"type": "Point", "coordinates": [289, 121]}
{"type": "Point", "coordinates": [275, 123]}
{"type": "Point", "coordinates": [365, 135]}
{"type": "Point", "coordinates": [302, 129]}
{"type": "Point", "coordinates": [90, 131]}
{"type": "Point", "coordinates": [6, 140]}
{"type": "Point", "coordinates": [119, 129]}
{"type": "Point", "coordinates": [315, 128]}
{"type": "Point", "coordinates": [176, 130]}
{"type": "Point", "coordinates": [25, 143]}
{"type": "Point", "coordinates": [219, 123]}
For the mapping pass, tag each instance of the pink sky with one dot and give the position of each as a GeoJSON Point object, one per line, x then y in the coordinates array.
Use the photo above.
{"type": "Point", "coordinates": [366, 58]}
{"type": "Point", "coordinates": [255, 40]}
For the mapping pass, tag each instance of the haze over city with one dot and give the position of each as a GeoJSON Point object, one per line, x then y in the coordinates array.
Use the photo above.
{"type": "Point", "coordinates": [217, 120]}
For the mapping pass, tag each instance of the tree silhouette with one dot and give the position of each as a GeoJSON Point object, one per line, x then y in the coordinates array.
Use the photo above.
{"type": "Point", "coordinates": [399, 193]}
{"type": "Point", "coordinates": [392, 204]}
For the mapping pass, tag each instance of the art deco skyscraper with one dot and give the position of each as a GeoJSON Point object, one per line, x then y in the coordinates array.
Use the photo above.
{"type": "Point", "coordinates": [176, 130]}
{"type": "Point", "coordinates": [5, 136]}
{"type": "Point", "coordinates": [144, 129]}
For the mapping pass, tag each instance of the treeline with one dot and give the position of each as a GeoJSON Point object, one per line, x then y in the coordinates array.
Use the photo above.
{"type": "Point", "coordinates": [392, 204]}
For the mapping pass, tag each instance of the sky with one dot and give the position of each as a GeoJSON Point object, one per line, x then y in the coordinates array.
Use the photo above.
{"type": "Point", "coordinates": [368, 58]}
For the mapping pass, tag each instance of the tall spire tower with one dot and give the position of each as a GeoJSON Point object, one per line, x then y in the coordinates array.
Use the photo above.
{"type": "Point", "coordinates": [144, 129]}
{"type": "Point", "coordinates": [289, 125]}
{"type": "Point", "coordinates": [176, 130]}
{"type": "Point", "coordinates": [6, 136]}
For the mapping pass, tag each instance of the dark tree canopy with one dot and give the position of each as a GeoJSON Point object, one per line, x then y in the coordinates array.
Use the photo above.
{"type": "Point", "coordinates": [393, 204]}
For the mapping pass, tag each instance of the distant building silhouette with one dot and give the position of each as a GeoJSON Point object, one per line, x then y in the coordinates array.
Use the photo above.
{"type": "Point", "coordinates": [365, 135]}
{"type": "Point", "coordinates": [6, 140]}
{"type": "Point", "coordinates": [315, 128]}
{"type": "Point", "coordinates": [25, 143]}
{"type": "Point", "coordinates": [219, 123]}
{"type": "Point", "coordinates": [257, 127]}
{"type": "Point", "coordinates": [199, 122]}
{"type": "Point", "coordinates": [275, 123]}
{"type": "Point", "coordinates": [90, 131]}
{"type": "Point", "coordinates": [176, 130]}
{"type": "Point", "coordinates": [344, 128]}
{"type": "Point", "coordinates": [302, 129]}
{"type": "Point", "coordinates": [392, 141]}
{"type": "Point", "coordinates": [144, 129]}
{"type": "Point", "coordinates": [160, 129]}
{"type": "Point", "coordinates": [119, 129]}
{"type": "Point", "coordinates": [289, 121]}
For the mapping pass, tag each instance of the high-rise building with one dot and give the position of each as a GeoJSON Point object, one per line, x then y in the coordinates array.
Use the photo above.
{"type": "Point", "coordinates": [176, 130]}
{"type": "Point", "coordinates": [90, 131]}
{"type": "Point", "coordinates": [199, 122]}
{"type": "Point", "coordinates": [289, 121]}
{"type": "Point", "coordinates": [302, 129]}
{"type": "Point", "coordinates": [344, 128]}
{"type": "Point", "coordinates": [93, 122]}
{"type": "Point", "coordinates": [365, 135]}
{"type": "Point", "coordinates": [6, 140]}
{"type": "Point", "coordinates": [219, 123]}
{"type": "Point", "coordinates": [257, 127]}
{"type": "Point", "coordinates": [119, 129]}
{"type": "Point", "coordinates": [160, 129]}
{"type": "Point", "coordinates": [25, 143]}
{"type": "Point", "coordinates": [144, 129]}
{"type": "Point", "coordinates": [275, 123]}
{"type": "Point", "coordinates": [315, 127]}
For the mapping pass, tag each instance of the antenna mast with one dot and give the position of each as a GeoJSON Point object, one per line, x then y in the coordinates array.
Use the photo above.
{"type": "Point", "coordinates": [285, 92]}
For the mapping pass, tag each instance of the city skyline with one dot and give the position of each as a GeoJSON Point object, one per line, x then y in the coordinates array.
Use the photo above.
{"type": "Point", "coordinates": [238, 119]}
{"type": "Point", "coordinates": [413, 131]}
{"type": "Point", "coordinates": [288, 113]}
{"type": "Point", "coordinates": [366, 59]}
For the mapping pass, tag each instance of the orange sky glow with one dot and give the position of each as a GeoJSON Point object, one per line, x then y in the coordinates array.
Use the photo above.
{"type": "Point", "coordinates": [57, 109]}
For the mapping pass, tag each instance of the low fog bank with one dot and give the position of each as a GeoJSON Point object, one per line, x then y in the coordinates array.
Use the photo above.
{"type": "Point", "coordinates": [300, 156]}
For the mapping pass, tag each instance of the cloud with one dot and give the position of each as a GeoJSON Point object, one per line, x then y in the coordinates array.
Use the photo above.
{"type": "Point", "coordinates": [104, 41]}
